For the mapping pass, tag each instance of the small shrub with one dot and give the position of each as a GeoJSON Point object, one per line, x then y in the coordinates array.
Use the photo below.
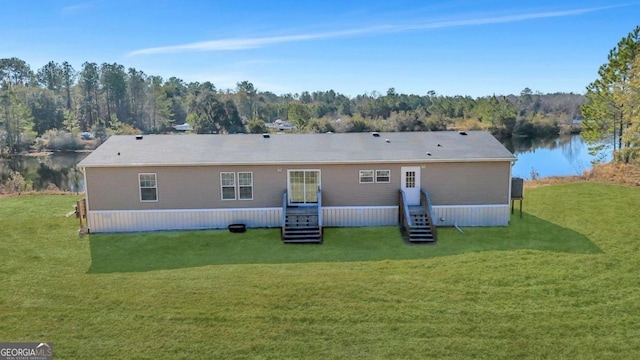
{"type": "Point", "coordinates": [59, 140]}
{"type": "Point", "coordinates": [627, 155]}
{"type": "Point", "coordinates": [355, 123]}
{"type": "Point", "coordinates": [257, 126]}
{"type": "Point", "coordinates": [16, 183]}
{"type": "Point", "coordinates": [617, 173]}
{"type": "Point", "coordinates": [534, 174]}
{"type": "Point", "coordinates": [52, 187]}
{"type": "Point", "coordinates": [320, 126]}
{"type": "Point", "coordinates": [471, 124]}
{"type": "Point", "coordinates": [537, 128]}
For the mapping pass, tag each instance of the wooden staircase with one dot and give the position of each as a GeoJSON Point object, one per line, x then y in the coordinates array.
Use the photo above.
{"type": "Point", "coordinates": [420, 229]}
{"type": "Point", "coordinates": [416, 220]}
{"type": "Point", "coordinates": [301, 224]}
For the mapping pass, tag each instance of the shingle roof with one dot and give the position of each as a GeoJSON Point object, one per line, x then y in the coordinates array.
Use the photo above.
{"type": "Point", "coordinates": [399, 147]}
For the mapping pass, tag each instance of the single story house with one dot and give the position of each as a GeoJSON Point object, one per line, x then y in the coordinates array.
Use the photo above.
{"type": "Point", "coordinates": [170, 182]}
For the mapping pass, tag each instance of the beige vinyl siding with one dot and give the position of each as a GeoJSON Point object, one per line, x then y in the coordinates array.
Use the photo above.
{"type": "Point", "coordinates": [198, 187]}
{"type": "Point", "coordinates": [447, 183]}
{"type": "Point", "coordinates": [194, 187]}
{"type": "Point", "coordinates": [341, 186]}
{"type": "Point", "coordinates": [467, 183]}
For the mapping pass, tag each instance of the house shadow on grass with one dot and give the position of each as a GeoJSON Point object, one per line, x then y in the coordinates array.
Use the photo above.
{"type": "Point", "coordinates": [137, 252]}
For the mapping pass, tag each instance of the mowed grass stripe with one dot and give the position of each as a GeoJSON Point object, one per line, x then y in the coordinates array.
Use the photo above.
{"type": "Point", "coordinates": [566, 290]}
{"type": "Point", "coordinates": [173, 250]}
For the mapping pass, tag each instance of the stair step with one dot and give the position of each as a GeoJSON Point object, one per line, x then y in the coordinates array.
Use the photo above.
{"type": "Point", "coordinates": [301, 241]}
{"type": "Point", "coordinates": [302, 238]}
{"type": "Point", "coordinates": [422, 240]}
{"type": "Point", "coordinates": [301, 225]}
{"type": "Point", "coordinates": [300, 235]}
{"type": "Point", "coordinates": [420, 231]}
{"type": "Point", "coordinates": [412, 235]}
{"type": "Point", "coordinates": [422, 228]}
{"type": "Point", "coordinates": [307, 233]}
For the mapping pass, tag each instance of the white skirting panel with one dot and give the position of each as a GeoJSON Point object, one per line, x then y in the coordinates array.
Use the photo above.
{"type": "Point", "coordinates": [338, 216]}
{"type": "Point", "coordinates": [181, 219]}
{"type": "Point", "coordinates": [472, 215]}
{"type": "Point", "coordinates": [342, 216]}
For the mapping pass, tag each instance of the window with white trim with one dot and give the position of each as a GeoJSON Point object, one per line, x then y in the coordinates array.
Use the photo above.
{"type": "Point", "coordinates": [228, 185]}
{"type": "Point", "coordinates": [383, 176]}
{"type": "Point", "coordinates": [148, 187]}
{"type": "Point", "coordinates": [245, 186]}
{"type": "Point", "coordinates": [366, 176]}
{"type": "Point", "coordinates": [375, 176]}
{"type": "Point", "coordinates": [236, 185]}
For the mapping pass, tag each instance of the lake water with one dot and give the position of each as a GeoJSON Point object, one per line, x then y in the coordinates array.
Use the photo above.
{"type": "Point", "coordinates": [560, 156]}
{"type": "Point", "coordinates": [58, 169]}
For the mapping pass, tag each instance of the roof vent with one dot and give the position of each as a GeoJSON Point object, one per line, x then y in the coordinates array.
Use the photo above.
{"type": "Point", "coordinates": [375, 134]}
{"type": "Point", "coordinates": [428, 153]}
{"type": "Point", "coordinates": [266, 136]}
{"type": "Point", "coordinates": [439, 145]}
{"type": "Point", "coordinates": [138, 137]}
{"type": "Point", "coordinates": [387, 140]}
{"type": "Point", "coordinates": [462, 133]}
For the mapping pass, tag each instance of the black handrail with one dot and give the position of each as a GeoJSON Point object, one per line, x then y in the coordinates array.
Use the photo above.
{"type": "Point", "coordinates": [425, 201]}
{"type": "Point", "coordinates": [284, 212]}
{"type": "Point", "coordinates": [405, 218]}
{"type": "Point", "coordinates": [320, 211]}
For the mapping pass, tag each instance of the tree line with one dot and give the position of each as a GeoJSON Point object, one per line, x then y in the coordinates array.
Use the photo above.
{"type": "Point", "coordinates": [612, 110]}
{"type": "Point", "coordinates": [57, 100]}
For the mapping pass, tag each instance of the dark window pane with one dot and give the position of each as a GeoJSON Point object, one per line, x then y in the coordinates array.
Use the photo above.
{"type": "Point", "coordinates": [148, 194]}
{"type": "Point", "coordinates": [246, 192]}
{"type": "Point", "coordinates": [228, 193]}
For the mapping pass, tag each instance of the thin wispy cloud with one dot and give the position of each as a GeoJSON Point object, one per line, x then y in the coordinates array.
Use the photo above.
{"type": "Point", "coordinates": [253, 43]}
{"type": "Point", "coordinates": [71, 9]}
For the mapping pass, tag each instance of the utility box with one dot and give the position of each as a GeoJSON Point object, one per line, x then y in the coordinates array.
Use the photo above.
{"type": "Point", "coordinates": [517, 188]}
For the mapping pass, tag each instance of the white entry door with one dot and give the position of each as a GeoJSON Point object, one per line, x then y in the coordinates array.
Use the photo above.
{"type": "Point", "coordinates": [411, 184]}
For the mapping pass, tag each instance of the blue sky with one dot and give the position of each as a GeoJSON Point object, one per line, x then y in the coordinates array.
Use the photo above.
{"type": "Point", "coordinates": [462, 47]}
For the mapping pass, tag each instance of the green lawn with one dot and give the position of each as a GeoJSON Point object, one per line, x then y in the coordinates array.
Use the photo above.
{"type": "Point", "coordinates": [563, 282]}
{"type": "Point", "coordinates": [173, 250]}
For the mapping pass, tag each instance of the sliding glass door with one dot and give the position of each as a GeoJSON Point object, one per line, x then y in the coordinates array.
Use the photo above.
{"type": "Point", "coordinates": [303, 187]}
